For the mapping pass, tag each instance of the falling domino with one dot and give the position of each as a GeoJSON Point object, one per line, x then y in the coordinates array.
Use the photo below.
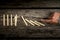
{"type": "Point", "coordinates": [40, 23]}
{"type": "Point", "coordinates": [11, 20]}
{"type": "Point", "coordinates": [3, 19]}
{"type": "Point", "coordinates": [7, 20]}
{"type": "Point", "coordinates": [16, 19]}
{"type": "Point", "coordinates": [24, 21]}
{"type": "Point", "coordinates": [29, 22]}
{"type": "Point", "coordinates": [34, 23]}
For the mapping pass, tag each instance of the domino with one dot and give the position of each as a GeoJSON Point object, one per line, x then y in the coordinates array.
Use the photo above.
{"type": "Point", "coordinates": [3, 19]}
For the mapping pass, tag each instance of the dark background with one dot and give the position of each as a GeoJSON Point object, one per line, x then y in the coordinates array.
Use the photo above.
{"type": "Point", "coordinates": [44, 8]}
{"type": "Point", "coordinates": [29, 3]}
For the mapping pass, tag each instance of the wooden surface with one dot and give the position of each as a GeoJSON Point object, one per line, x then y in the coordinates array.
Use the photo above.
{"type": "Point", "coordinates": [22, 30]}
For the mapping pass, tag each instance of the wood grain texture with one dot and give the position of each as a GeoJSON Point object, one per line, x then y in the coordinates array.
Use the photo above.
{"type": "Point", "coordinates": [21, 30]}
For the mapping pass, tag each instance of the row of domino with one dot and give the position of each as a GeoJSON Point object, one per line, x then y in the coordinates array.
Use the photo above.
{"type": "Point", "coordinates": [6, 20]}
{"type": "Point", "coordinates": [33, 23]}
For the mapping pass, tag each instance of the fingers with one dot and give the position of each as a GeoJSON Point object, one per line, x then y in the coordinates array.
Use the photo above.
{"type": "Point", "coordinates": [46, 20]}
